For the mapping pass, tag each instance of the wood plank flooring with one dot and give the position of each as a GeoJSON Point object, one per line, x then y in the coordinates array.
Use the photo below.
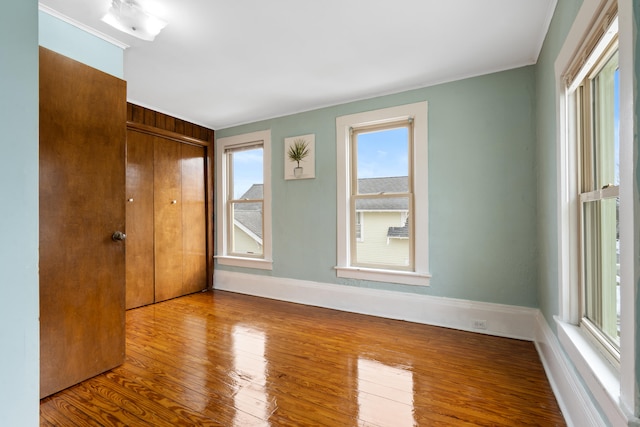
{"type": "Point", "coordinates": [224, 359]}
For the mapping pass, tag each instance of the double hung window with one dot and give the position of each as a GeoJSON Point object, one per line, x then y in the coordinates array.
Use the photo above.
{"type": "Point", "coordinates": [382, 195]}
{"type": "Point", "coordinates": [244, 211]}
{"type": "Point", "coordinates": [598, 111]}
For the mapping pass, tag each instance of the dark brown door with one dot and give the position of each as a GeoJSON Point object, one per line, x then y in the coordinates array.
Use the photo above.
{"type": "Point", "coordinates": [82, 203]}
{"type": "Point", "coordinates": [140, 269]}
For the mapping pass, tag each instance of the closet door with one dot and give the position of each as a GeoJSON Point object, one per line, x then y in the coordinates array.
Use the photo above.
{"type": "Point", "coordinates": [194, 231]}
{"type": "Point", "coordinates": [140, 271]}
{"type": "Point", "coordinates": [167, 218]}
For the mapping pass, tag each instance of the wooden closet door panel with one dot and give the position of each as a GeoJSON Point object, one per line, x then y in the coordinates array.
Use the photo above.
{"type": "Point", "coordinates": [194, 230]}
{"type": "Point", "coordinates": [82, 203]}
{"type": "Point", "coordinates": [139, 243]}
{"type": "Point", "coordinates": [167, 218]}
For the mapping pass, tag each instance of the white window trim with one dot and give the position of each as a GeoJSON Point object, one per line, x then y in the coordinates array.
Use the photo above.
{"type": "Point", "coordinates": [421, 275]}
{"type": "Point", "coordinates": [614, 389]}
{"type": "Point", "coordinates": [222, 144]}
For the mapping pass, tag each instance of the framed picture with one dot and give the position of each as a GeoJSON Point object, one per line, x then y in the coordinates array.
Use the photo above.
{"type": "Point", "coordinates": [299, 157]}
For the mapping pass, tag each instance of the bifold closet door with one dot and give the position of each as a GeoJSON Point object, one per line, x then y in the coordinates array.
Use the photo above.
{"type": "Point", "coordinates": [140, 270]}
{"type": "Point", "coordinates": [167, 219]}
{"type": "Point", "coordinates": [194, 231]}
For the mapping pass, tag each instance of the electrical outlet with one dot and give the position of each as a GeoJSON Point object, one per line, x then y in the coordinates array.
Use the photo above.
{"type": "Point", "coordinates": [480, 324]}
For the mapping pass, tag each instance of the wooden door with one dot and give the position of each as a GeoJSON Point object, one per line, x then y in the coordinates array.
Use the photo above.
{"type": "Point", "coordinates": [167, 218]}
{"type": "Point", "coordinates": [194, 230]}
{"type": "Point", "coordinates": [82, 195]}
{"type": "Point", "coordinates": [140, 270]}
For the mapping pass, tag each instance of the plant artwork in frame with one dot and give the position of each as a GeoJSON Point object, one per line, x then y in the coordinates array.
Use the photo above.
{"type": "Point", "coordinates": [299, 157]}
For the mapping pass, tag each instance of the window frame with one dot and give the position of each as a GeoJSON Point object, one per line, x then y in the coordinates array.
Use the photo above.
{"type": "Point", "coordinates": [417, 112]}
{"type": "Point", "coordinates": [223, 146]}
{"type": "Point", "coordinates": [355, 195]}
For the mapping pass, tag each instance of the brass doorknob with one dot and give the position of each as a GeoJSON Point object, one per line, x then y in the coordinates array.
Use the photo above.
{"type": "Point", "coordinates": [118, 235]}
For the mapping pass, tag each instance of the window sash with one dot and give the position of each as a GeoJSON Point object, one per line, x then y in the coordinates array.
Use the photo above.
{"type": "Point", "coordinates": [598, 197]}
{"type": "Point", "coordinates": [231, 202]}
{"type": "Point", "coordinates": [232, 245]}
{"type": "Point", "coordinates": [356, 196]}
{"type": "Point", "coordinates": [378, 127]}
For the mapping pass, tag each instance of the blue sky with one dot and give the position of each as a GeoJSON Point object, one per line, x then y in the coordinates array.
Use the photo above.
{"type": "Point", "coordinates": [383, 153]}
{"type": "Point", "coordinates": [247, 167]}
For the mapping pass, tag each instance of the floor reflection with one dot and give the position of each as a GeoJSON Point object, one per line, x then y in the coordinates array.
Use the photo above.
{"type": "Point", "coordinates": [250, 367]}
{"type": "Point", "coordinates": [385, 395]}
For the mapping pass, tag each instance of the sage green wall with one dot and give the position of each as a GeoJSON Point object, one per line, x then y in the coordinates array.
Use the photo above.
{"type": "Point", "coordinates": [546, 158]}
{"type": "Point", "coordinates": [482, 197]}
{"type": "Point", "coordinates": [19, 333]}
{"type": "Point", "coordinates": [72, 42]}
{"type": "Point", "coordinates": [19, 286]}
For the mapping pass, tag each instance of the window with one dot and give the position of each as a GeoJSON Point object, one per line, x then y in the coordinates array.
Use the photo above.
{"type": "Point", "coordinates": [597, 138]}
{"type": "Point", "coordinates": [382, 176]}
{"type": "Point", "coordinates": [595, 207]}
{"type": "Point", "coordinates": [244, 210]}
{"type": "Point", "coordinates": [245, 203]}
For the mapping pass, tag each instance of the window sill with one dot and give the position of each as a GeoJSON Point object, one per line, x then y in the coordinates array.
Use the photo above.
{"type": "Point", "coordinates": [600, 376]}
{"type": "Point", "coordinates": [389, 276]}
{"type": "Point", "coordinates": [261, 264]}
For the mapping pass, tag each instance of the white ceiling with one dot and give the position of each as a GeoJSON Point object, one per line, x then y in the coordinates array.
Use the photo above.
{"type": "Point", "coordinates": [220, 63]}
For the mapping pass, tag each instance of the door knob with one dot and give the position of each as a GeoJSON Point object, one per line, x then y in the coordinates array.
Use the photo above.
{"type": "Point", "coordinates": [118, 235]}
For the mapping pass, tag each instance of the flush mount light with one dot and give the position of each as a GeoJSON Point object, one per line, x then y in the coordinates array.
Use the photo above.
{"type": "Point", "coordinates": [128, 17]}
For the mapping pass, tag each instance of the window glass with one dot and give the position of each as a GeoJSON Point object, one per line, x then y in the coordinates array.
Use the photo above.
{"type": "Point", "coordinates": [247, 170]}
{"type": "Point", "coordinates": [383, 154]}
{"type": "Point", "coordinates": [246, 206]}
{"type": "Point", "coordinates": [598, 103]}
{"type": "Point", "coordinates": [381, 197]}
{"type": "Point", "coordinates": [606, 124]}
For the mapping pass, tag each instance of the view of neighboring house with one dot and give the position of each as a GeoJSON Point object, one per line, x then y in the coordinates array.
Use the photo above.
{"type": "Point", "coordinates": [382, 229]}
{"type": "Point", "coordinates": [247, 223]}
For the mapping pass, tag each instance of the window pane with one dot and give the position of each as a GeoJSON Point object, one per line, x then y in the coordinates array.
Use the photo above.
{"type": "Point", "coordinates": [382, 155]}
{"type": "Point", "coordinates": [246, 171]}
{"type": "Point", "coordinates": [606, 123]}
{"type": "Point", "coordinates": [602, 266]}
{"type": "Point", "coordinates": [387, 242]}
{"type": "Point", "coordinates": [246, 235]}
{"type": "Point", "coordinates": [246, 183]}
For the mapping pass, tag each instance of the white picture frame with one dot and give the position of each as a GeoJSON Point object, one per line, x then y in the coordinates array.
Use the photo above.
{"type": "Point", "coordinates": [308, 164]}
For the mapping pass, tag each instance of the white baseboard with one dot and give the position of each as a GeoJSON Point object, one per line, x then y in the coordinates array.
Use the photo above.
{"type": "Point", "coordinates": [574, 401]}
{"type": "Point", "coordinates": [501, 320]}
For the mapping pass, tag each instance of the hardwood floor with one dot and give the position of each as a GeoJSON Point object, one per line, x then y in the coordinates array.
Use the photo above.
{"type": "Point", "coordinates": [224, 359]}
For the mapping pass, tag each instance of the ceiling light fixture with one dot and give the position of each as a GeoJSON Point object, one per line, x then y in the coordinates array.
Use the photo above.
{"type": "Point", "coordinates": [129, 17]}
